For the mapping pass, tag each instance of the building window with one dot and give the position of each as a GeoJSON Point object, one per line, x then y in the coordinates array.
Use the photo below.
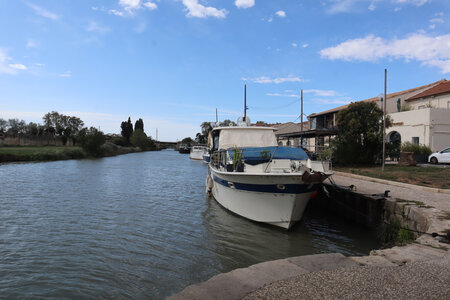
{"type": "Point", "coordinates": [415, 140]}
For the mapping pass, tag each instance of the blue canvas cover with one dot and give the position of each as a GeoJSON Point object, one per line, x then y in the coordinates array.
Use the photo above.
{"type": "Point", "coordinates": [258, 155]}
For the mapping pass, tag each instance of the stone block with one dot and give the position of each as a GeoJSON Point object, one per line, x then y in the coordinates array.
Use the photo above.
{"type": "Point", "coordinates": [378, 261]}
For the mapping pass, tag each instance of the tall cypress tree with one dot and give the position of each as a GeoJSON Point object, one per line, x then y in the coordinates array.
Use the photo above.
{"type": "Point", "coordinates": [127, 130]}
{"type": "Point", "coordinates": [139, 125]}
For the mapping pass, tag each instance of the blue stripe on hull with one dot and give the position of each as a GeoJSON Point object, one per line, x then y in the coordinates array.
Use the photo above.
{"type": "Point", "coordinates": [269, 188]}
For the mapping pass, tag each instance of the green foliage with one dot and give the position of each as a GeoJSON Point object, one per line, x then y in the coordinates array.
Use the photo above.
{"type": "Point", "coordinates": [139, 125]}
{"type": "Point", "coordinates": [404, 236]}
{"type": "Point", "coordinates": [325, 154]}
{"type": "Point", "coordinates": [391, 234]}
{"type": "Point", "coordinates": [127, 130]}
{"type": "Point", "coordinates": [139, 139]}
{"type": "Point", "coordinates": [416, 149]}
{"type": "Point", "coordinates": [91, 140]}
{"type": "Point", "coordinates": [227, 122]}
{"type": "Point", "coordinates": [238, 158]}
{"type": "Point", "coordinates": [187, 141]}
{"type": "Point", "coordinates": [359, 138]}
{"type": "Point", "coordinates": [120, 141]}
{"type": "Point", "coordinates": [62, 125]}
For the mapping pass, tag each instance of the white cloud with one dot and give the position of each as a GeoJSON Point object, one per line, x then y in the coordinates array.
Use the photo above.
{"type": "Point", "coordinates": [281, 14]}
{"type": "Point", "coordinates": [413, 2]}
{"type": "Point", "coordinates": [197, 10]}
{"type": "Point", "coordinates": [294, 45]}
{"type": "Point", "coordinates": [43, 12]}
{"type": "Point", "coordinates": [346, 6]}
{"type": "Point", "coordinates": [315, 92]}
{"type": "Point", "coordinates": [322, 93]}
{"type": "Point", "coordinates": [305, 45]}
{"type": "Point", "coordinates": [5, 67]}
{"type": "Point", "coordinates": [150, 5]}
{"type": "Point", "coordinates": [116, 12]}
{"type": "Point", "coordinates": [95, 27]}
{"type": "Point", "coordinates": [244, 3]}
{"type": "Point", "coordinates": [17, 66]}
{"type": "Point", "coordinates": [66, 74]}
{"type": "Point", "coordinates": [39, 65]}
{"type": "Point", "coordinates": [131, 6]}
{"type": "Point", "coordinates": [433, 51]}
{"type": "Point", "coordinates": [265, 79]}
{"type": "Point", "coordinates": [94, 8]}
{"type": "Point", "coordinates": [31, 44]}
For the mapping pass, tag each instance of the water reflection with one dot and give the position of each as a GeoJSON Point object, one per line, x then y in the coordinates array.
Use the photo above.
{"type": "Point", "coordinates": [136, 226]}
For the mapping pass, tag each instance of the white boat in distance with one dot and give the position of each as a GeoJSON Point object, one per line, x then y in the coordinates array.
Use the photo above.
{"type": "Point", "coordinates": [250, 175]}
{"type": "Point", "coordinates": [197, 152]}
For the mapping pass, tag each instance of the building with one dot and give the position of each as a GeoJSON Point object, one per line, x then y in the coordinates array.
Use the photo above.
{"type": "Point", "coordinates": [425, 119]}
{"type": "Point", "coordinates": [412, 123]}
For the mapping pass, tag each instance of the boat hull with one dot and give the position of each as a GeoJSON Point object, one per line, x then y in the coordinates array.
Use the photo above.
{"type": "Point", "coordinates": [276, 199]}
{"type": "Point", "coordinates": [197, 155]}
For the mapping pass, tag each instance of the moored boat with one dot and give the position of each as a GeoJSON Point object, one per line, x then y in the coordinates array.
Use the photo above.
{"type": "Point", "coordinates": [197, 152]}
{"type": "Point", "coordinates": [184, 149]}
{"type": "Point", "coordinates": [250, 175]}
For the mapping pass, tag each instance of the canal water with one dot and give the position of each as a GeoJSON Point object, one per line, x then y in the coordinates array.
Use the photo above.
{"type": "Point", "coordinates": [136, 226]}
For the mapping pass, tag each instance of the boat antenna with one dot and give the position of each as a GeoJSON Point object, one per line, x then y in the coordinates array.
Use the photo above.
{"type": "Point", "coordinates": [217, 120]}
{"type": "Point", "coordinates": [301, 120]}
{"type": "Point", "coordinates": [245, 103]}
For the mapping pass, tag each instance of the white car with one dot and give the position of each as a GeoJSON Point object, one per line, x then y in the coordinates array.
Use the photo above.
{"type": "Point", "coordinates": [440, 157]}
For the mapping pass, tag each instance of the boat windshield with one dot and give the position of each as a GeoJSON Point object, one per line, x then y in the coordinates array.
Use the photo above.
{"type": "Point", "coordinates": [258, 155]}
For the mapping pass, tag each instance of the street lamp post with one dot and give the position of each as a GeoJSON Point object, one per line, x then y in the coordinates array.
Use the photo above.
{"type": "Point", "coordinates": [384, 120]}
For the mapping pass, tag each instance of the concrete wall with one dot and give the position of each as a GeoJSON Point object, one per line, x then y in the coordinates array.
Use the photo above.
{"type": "Point", "coordinates": [442, 101]}
{"type": "Point", "coordinates": [440, 129]}
{"type": "Point", "coordinates": [33, 141]}
{"type": "Point", "coordinates": [430, 125]}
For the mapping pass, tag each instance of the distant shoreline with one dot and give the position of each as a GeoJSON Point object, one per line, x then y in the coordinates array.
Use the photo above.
{"type": "Point", "coordinates": [54, 153]}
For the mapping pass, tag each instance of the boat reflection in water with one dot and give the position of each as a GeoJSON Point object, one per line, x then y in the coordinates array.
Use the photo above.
{"type": "Point", "coordinates": [250, 175]}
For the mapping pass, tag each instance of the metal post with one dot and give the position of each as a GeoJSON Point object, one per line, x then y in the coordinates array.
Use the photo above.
{"type": "Point", "coordinates": [245, 103]}
{"type": "Point", "coordinates": [301, 120]}
{"type": "Point", "coordinates": [384, 120]}
{"type": "Point", "coordinates": [217, 120]}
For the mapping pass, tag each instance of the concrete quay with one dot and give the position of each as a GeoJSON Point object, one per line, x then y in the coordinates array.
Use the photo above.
{"type": "Point", "coordinates": [420, 270]}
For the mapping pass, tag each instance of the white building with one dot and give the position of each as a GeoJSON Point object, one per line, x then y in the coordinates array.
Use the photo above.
{"type": "Point", "coordinates": [424, 119]}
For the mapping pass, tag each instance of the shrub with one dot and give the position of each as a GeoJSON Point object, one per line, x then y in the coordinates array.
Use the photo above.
{"type": "Point", "coordinates": [139, 139]}
{"type": "Point", "coordinates": [91, 140]}
{"type": "Point", "coordinates": [416, 149]}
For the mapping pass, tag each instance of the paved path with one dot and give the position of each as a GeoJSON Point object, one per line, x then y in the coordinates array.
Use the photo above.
{"type": "Point", "coordinates": [409, 192]}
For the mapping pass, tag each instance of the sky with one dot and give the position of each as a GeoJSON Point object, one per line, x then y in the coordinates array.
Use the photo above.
{"type": "Point", "coordinates": [173, 62]}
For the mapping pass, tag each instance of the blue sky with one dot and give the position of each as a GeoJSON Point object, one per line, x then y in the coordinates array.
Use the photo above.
{"type": "Point", "coordinates": [173, 62]}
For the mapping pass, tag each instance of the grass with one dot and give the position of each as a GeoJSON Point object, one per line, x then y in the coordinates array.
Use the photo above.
{"type": "Point", "coordinates": [430, 177]}
{"type": "Point", "coordinates": [38, 153]}
{"type": "Point", "coordinates": [50, 153]}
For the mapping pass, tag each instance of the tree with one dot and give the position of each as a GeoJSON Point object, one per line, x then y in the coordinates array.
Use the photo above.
{"type": "Point", "coordinates": [360, 134]}
{"type": "Point", "coordinates": [3, 126]}
{"type": "Point", "coordinates": [139, 125]}
{"type": "Point", "coordinates": [187, 141]}
{"type": "Point", "coordinates": [139, 139]}
{"type": "Point", "coordinates": [91, 140]}
{"type": "Point", "coordinates": [227, 122]}
{"type": "Point", "coordinates": [127, 130]}
{"type": "Point", "coordinates": [32, 129]}
{"type": "Point", "coordinates": [16, 127]}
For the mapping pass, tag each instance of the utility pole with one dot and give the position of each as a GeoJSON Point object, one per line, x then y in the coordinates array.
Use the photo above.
{"type": "Point", "coordinates": [217, 120]}
{"type": "Point", "coordinates": [384, 120]}
{"type": "Point", "coordinates": [301, 120]}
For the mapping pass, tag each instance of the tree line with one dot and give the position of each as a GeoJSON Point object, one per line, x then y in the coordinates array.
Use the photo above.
{"type": "Point", "coordinates": [91, 139]}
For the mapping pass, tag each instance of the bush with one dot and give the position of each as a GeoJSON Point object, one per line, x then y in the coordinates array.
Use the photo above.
{"type": "Point", "coordinates": [119, 141]}
{"type": "Point", "coordinates": [139, 139]}
{"type": "Point", "coordinates": [416, 149]}
{"type": "Point", "coordinates": [91, 140]}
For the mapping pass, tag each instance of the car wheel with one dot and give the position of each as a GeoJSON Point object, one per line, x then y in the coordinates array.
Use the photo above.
{"type": "Point", "coordinates": [434, 160]}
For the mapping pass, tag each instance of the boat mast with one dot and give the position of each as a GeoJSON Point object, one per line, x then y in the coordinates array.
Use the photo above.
{"type": "Point", "coordinates": [245, 103]}
{"type": "Point", "coordinates": [301, 120]}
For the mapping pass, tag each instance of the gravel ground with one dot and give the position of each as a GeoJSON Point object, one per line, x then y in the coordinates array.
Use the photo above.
{"type": "Point", "coordinates": [419, 280]}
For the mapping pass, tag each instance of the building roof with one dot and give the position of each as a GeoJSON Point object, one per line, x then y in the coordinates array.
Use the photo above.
{"type": "Point", "coordinates": [441, 88]}
{"type": "Point", "coordinates": [392, 95]}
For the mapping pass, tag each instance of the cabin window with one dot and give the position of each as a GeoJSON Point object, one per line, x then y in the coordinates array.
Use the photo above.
{"type": "Point", "coordinates": [415, 140]}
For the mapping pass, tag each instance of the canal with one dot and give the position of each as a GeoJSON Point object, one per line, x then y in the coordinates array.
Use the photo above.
{"type": "Point", "coordinates": [136, 226]}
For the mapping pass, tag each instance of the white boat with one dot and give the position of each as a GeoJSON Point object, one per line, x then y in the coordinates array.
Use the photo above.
{"type": "Point", "coordinates": [197, 152]}
{"type": "Point", "coordinates": [206, 157]}
{"type": "Point", "coordinates": [250, 175]}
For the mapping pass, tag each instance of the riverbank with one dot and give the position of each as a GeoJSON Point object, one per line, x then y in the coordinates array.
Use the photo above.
{"type": "Point", "coordinates": [52, 153]}
{"type": "Point", "coordinates": [418, 270]}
